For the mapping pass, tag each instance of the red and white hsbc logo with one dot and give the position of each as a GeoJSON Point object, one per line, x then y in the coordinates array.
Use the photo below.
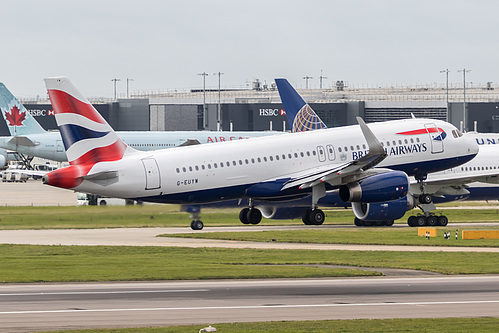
{"type": "Point", "coordinates": [272, 112]}
{"type": "Point", "coordinates": [41, 113]}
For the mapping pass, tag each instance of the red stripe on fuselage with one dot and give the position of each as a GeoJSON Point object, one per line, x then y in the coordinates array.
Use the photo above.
{"type": "Point", "coordinates": [63, 102]}
{"type": "Point", "coordinates": [423, 131]}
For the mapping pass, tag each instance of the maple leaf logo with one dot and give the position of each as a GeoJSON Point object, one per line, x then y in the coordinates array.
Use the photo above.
{"type": "Point", "coordinates": [15, 118]}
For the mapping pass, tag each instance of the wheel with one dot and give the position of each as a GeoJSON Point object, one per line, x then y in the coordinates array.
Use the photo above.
{"type": "Point", "coordinates": [411, 221]}
{"type": "Point", "coordinates": [431, 220]}
{"type": "Point", "coordinates": [254, 216]}
{"type": "Point", "coordinates": [103, 203]}
{"type": "Point", "coordinates": [443, 220]}
{"type": "Point", "coordinates": [419, 221]}
{"type": "Point", "coordinates": [197, 225]}
{"type": "Point", "coordinates": [425, 198]}
{"type": "Point", "coordinates": [389, 223]}
{"type": "Point", "coordinates": [316, 217]}
{"type": "Point", "coordinates": [243, 216]}
{"type": "Point", "coordinates": [358, 222]}
{"type": "Point", "coordinates": [306, 217]}
{"type": "Point", "coordinates": [368, 223]}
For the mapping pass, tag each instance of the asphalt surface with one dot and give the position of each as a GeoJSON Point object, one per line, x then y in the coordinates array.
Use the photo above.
{"type": "Point", "coordinates": [25, 308]}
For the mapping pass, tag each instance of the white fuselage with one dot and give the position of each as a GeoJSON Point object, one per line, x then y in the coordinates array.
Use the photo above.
{"type": "Point", "coordinates": [209, 173]}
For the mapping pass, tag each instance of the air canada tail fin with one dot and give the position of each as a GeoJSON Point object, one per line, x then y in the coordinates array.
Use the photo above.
{"type": "Point", "coordinates": [18, 119]}
{"type": "Point", "coordinates": [87, 137]}
{"type": "Point", "coordinates": [300, 115]}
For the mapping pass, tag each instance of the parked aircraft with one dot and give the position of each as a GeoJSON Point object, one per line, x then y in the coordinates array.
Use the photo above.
{"type": "Point", "coordinates": [268, 168]}
{"type": "Point", "coordinates": [29, 138]}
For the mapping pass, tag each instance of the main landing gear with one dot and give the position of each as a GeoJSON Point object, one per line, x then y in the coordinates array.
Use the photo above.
{"type": "Point", "coordinates": [426, 205]}
{"type": "Point", "coordinates": [250, 215]}
{"type": "Point", "coordinates": [380, 223]}
{"type": "Point", "coordinates": [196, 223]}
{"type": "Point", "coordinates": [313, 216]}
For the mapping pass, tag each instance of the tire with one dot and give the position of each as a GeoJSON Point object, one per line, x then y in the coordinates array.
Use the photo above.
{"type": "Point", "coordinates": [197, 225]}
{"type": "Point", "coordinates": [389, 223]}
{"type": "Point", "coordinates": [358, 222]}
{"type": "Point", "coordinates": [306, 217]}
{"type": "Point", "coordinates": [432, 221]}
{"type": "Point", "coordinates": [254, 216]}
{"type": "Point", "coordinates": [411, 221]}
{"type": "Point", "coordinates": [103, 203]}
{"type": "Point", "coordinates": [425, 198]}
{"type": "Point", "coordinates": [420, 221]}
{"type": "Point", "coordinates": [443, 220]}
{"type": "Point", "coordinates": [316, 217]}
{"type": "Point", "coordinates": [243, 216]}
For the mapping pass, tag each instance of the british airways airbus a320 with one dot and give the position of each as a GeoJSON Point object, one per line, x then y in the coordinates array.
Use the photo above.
{"type": "Point", "coordinates": [279, 167]}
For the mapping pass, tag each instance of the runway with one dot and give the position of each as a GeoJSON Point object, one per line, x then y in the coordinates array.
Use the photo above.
{"type": "Point", "coordinates": [148, 237]}
{"type": "Point", "coordinates": [25, 308]}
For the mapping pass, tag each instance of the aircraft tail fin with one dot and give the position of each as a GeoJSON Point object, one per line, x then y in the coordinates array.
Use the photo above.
{"type": "Point", "coordinates": [300, 115]}
{"type": "Point", "coordinates": [19, 120]}
{"type": "Point", "coordinates": [87, 137]}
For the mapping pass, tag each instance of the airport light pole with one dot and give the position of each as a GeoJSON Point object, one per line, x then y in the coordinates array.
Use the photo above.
{"type": "Point", "coordinates": [115, 80]}
{"type": "Point", "coordinates": [127, 86]}
{"type": "Point", "coordinates": [219, 120]}
{"type": "Point", "coordinates": [320, 79]}
{"type": "Point", "coordinates": [204, 74]}
{"type": "Point", "coordinates": [446, 71]}
{"type": "Point", "coordinates": [306, 78]}
{"type": "Point", "coordinates": [465, 126]}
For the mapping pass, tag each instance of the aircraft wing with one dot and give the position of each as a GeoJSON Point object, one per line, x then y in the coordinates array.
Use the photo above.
{"type": "Point", "coordinates": [342, 173]}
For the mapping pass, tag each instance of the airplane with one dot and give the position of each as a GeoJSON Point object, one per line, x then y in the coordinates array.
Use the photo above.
{"type": "Point", "coordinates": [271, 168]}
{"type": "Point", "coordinates": [28, 137]}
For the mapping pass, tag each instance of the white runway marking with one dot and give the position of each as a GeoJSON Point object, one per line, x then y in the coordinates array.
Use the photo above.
{"type": "Point", "coordinates": [246, 307]}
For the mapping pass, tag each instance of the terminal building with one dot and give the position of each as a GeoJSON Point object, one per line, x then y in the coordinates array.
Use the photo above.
{"type": "Point", "coordinates": [260, 108]}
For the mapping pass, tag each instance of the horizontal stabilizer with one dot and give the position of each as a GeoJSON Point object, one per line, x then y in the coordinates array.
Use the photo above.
{"type": "Point", "coordinates": [103, 178]}
{"type": "Point", "coordinates": [23, 141]}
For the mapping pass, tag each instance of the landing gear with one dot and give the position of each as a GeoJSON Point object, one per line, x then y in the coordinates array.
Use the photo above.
{"type": "Point", "coordinates": [313, 217]}
{"type": "Point", "coordinates": [197, 225]}
{"type": "Point", "coordinates": [250, 215]}
{"type": "Point", "coordinates": [431, 220]}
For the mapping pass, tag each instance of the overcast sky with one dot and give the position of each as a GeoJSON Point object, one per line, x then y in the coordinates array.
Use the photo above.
{"type": "Point", "coordinates": [164, 44]}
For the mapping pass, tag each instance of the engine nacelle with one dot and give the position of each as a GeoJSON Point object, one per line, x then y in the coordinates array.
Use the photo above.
{"type": "Point", "coordinates": [282, 213]}
{"type": "Point", "coordinates": [3, 161]}
{"type": "Point", "coordinates": [386, 186]}
{"type": "Point", "coordinates": [383, 211]}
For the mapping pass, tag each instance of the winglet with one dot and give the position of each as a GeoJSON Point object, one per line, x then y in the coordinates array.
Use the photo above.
{"type": "Point", "coordinates": [300, 115]}
{"type": "Point", "coordinates": [375, 147]}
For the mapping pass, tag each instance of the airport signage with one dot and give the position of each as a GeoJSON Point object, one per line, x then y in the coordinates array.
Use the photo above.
{"type": "Point", "coordinates": [272, 112]}
{"type": "Point", "coordinates": [41, 113]}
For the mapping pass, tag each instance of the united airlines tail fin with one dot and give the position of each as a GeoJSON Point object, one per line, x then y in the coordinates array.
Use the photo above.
{"type": "Point", "coordinates": [300, 115]}
{"type": "Point", "coordinates": [19, 121]}
{"type": "Point", "coordinates": [87, 137]}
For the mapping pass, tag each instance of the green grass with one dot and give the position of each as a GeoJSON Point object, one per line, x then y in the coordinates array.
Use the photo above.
{"type": "Point", "coordinates": [372, 236]}
{"type": "Point", "coordinates": [170, 216]}
{"type": "Point", "coordinates": [34, 263]}
{"type": "Point", "coordinates": [439, 325]}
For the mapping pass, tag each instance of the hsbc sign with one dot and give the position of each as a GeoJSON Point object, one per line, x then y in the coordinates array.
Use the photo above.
{"type": "Point", "coordinates": [41, 113]}
{"type": "Point", "coordinates": [272, 112]}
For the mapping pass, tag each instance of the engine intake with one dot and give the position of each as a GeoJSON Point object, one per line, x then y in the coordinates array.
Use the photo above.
{"type": "Point", "coordinates": [387, 186]}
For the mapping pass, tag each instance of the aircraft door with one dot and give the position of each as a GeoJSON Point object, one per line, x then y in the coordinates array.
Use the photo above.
{"type": "Point", "coordinates": [153, 178]}
{"type": "Point", "coordinates": [59, 146]}
{"type": "Point", "coordinates": [436, 138]}
{"type": "Point", "coordinates": [330, 152]}
{"type": "Point", "coordinates": [321, 153]}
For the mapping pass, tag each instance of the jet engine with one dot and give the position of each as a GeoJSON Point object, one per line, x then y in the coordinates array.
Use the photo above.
{"type": "Point", "coordinates": [3, 158]}
{"type": "Point", "coordinates": [386, 186]}
{"type": "Point", "coordinates": [282, 213]}
{"type": "Point", "coordinates": [383, 211]}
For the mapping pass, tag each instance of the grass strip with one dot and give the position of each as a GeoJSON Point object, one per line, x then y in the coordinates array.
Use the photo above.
{"type": "Point", "coordinates": [170, 216]}
{"type": "Point", "coordinates": [433, 325]}
{"type": "Point", "coordinates": [37, 263]}
{"type": "Point", "coordinates": [371, 236]}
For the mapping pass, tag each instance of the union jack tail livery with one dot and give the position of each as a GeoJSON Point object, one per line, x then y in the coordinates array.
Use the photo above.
{"type": "Point", "coordinates": [18, 119]}
{"type": "Point", "coordinates": [300, 115]}
{"type": "Point", "coordinates": [87, 137]}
